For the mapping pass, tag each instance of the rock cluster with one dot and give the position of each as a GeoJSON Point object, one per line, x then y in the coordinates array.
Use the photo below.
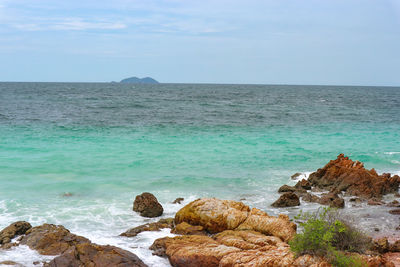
{"type": "Point", "coordinates": [73, 250]}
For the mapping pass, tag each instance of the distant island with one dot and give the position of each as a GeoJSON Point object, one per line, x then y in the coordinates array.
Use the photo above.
{"type": "Point", "coordinates": [146, 80]}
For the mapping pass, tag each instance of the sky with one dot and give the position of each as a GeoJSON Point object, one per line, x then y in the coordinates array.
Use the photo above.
{"type": "Point", "coordinates": [338, 42]}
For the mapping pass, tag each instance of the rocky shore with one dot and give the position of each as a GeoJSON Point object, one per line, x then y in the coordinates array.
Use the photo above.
{"type": "Point", "coordinates": [213, 232]}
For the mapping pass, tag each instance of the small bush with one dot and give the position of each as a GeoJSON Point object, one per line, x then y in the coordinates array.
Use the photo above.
{"type": "Point", "coordinates": [326, 233]}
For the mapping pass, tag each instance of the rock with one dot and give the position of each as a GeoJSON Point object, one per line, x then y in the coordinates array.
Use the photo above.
{"type": "Point", "coordinates": [50, 239]}
{"type": "Point", "coordinates": [147, 205]}
{"type": "Point", "coordinates": [375, 202]}
{"type": "Point", "coordinates": [381, 245]}
{"type": "Point", "coordinates": [356, 200]}
{"type": "Point", "coordinates": [295, 176]}
{"type": "Point", "coordinates": [261, 222]}
{"type": "Point", "coordinates": [156, 226]}
{"type": "Point", "coordinates": [213, 214]}
{"type": "Point", "coordinates": [303, 184]}
{"type": "Point", "coordinates": [394, 203]}
{"type": "Point", "coordinates": [310, 198]}
{"type": "Point", "coordinates": [343, 174]}
{"type": "Point", "coordinates": [333, 200]}
{"type": "Point", "coordinates": [230, 248]}
{"type": "Point", "coordinates": [218, 215]}
{"type": "Point", "coordinates": [88, 254]}
{"type": "Point", "coordinates": [13, 263]}
{"type": "Point", "coordinates": [395, 212]}
{"type": "Point", "coordinates": [287, 199]}
{"type": "Point", "coordinates": [186, 229]}
{"type": "Point", "coordinates": [13, 230]}
{"type": "Point", "coordinates": [178, 200]}
{"type": "Point", "coordinates": [395, 247]}
{"type": "Point", "coordinates": [286, 188]}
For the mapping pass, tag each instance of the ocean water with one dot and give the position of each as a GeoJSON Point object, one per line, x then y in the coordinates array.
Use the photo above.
{"type": "Point", "coordinates": [103, 144]}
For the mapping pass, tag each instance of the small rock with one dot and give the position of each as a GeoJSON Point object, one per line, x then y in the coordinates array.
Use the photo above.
{"type": "Point", "coordinates": [295, 176]}
{"type": "Point", "coordinates": [286, 188]}
{"type": "Point", "coordinates": [394, 204]}
{"type": "Point", "coordinates": [395, 212]}
{"type": "Point", "coordinates": [376, 229]}
{"type": "Point", "coordinates": [310, 198]}
{"type": "Point", "coordinates": [287, 199]}
{"type": "Point", "coordinates": [355, 200]}
{"type": "Point", "coordinates": [10, 263]}
{"type": "Point", "coordinates": [186, 229]}
{"type": "Point", "coordinates": [395, 247]}
{"type": "Point", "coordinates": [333, 200]}
{"type": "Point", "coordinates": [375, 202]}
{"type": "Point", "coordinates": [178, 200]}
{"type": "Point", "coordinates": [381, 245]}
{"type": "Point", "coordinates": [303, 184]}
{"type": "Point", "coordinates": [147, 205]}
{"type": "Point", "coordinates": [156, 226]}
{"type": "Point", "coordinates": [67, 194]}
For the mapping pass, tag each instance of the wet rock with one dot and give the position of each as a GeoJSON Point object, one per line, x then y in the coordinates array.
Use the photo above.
{"type": "Point", "coordinates": [89, 254]}
{"type": "Point", "coordinates": [333, 200]}
{"type": "Point", "coordinates": [217, 215]}
{"type": "Point", "coordinates": [356, 200]}
{"type": "Point", "coordinates": [394, 203]}
{"type": "Point", "coordinates": [50, 239]}
{"type": "Point", "coordinates": [287, 199]}
{"type": "Point", "coordinates": [295, 176]}
{"type": "Point", "coordinates": [13, 230]}
{"type": "Point", "coordinates": [310, 198]}
{"type": "Point", "coordinates": [12, 263]}
{"type": "Point", "coordinates": [286, 188]}
{"type": "Point", "coordinates": [186, 229]}
{"type": "Point", "coordinates": [156, 226]}
{"type": "Point", "coordinates": [395, 212]}
{"type": "Point", "coordinates": [67, 194]}
{"type": "Point", "coordinates": [178, 200]}
{"type": "Point", "coordinates": [375, 202]}
{"type": "Point", "coordinates": [147, 205]}
{"type": "Point", "coordinates": [381, 245]}
{"type": "Point", "coordinates": [395, 247]}
{"type": "Point", "coordinates": [343, 174]}
{"type": "Point", "coordinates": [303, 184]}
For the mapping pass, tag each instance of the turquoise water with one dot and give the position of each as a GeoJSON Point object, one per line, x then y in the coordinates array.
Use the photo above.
{"type": "Point", "coordinates": [106, 143]}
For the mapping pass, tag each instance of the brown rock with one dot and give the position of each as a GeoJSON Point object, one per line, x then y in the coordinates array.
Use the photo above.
{"type": "Point", "coordinates": [178, 200]}
{"type": "Point", "coordinates": [375, 202]}
{"type": "Point", "coordinates": [287, 199]}
{"type": "Point", "coordinates": [394, 203]}
{"type": "Point", "coordinates": [294, 176]}
{"type": "Point", "coordinates": [343, 174]}
{"type": "Point", "coordinates": [381, 245]}
{"type": "Point", "coordinates": [13, 263]}
{"type": "Point", "coordinates": [395, 247]}
{"type": "Point", "coordinates": [286, 188]}
{"type": "Point", "coordinates": [213, 214]}
{"type": "Point", "coordinates": [156, 226]}
{"type": "Point", "coordinates": [186, 229]}
{"type": "Point", "coordinates": [13, 230]}
{"type": "Point", "coordinates": [50, 239]}
{"type": "Point", "coordinates": [147, 205]}
{"type": "Point", "coordinates": [231, 248]}
{"type": "Point", "coordinates": [303, 184]}
{"type": "Point", "coordinates": [395, 212]}
{"type": "Point", "coordinates": [310, 198]}
{"type": "Point", "coordinates": [333, 200]}
{"type": "Point", "coordinates": [88, 254]}
{"type": "Point", "coordinates": [261, 222]}
{"type": "Point", "coordinates": [356, 200]}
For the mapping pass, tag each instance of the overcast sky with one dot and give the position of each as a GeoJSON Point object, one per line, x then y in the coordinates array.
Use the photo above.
{"type": "Point", "coordinates": [206, 41]}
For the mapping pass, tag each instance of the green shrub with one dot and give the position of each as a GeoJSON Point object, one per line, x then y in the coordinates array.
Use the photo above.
{"type": "Point", "coordinates": [326, 233]}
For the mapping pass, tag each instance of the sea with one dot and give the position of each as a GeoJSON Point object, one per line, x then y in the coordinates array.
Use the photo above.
{"type": "Point", "coordinates": [77, 154]}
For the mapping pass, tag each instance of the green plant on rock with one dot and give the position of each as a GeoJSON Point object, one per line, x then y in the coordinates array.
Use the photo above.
{"type": "Point", "coordinates": [327, 234]}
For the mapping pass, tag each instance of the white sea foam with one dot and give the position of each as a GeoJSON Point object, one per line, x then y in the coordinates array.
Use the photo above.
{"type": "Point", "coordinates": [391, 153]}
{"type": "Point", "coordinates": [23, 255]}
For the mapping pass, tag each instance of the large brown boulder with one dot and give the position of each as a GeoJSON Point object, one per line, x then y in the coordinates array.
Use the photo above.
{"type": "Point", "coordinates": [186, 229]}
{"type": "Point", "coordinates": [89, 254]}
{"type": "Point", "coordinates": [13, 230]}
{"type": "Point", "coordinates": [213, 214]}
{"type": "Point", "coordinates": [343, 174]}
{"type": "Point", "coordinates": [229, 248]}
{"type": "Point", "coordinates": [217, 215]}
{"type": "Point", "coordinates": [50, 239]}
{"type": "Point", "coordinates": [147, 205]}
{"type": "Point", "coordinates": [287, 199]}
{"type": "Point", "coordinates": [155, 226]}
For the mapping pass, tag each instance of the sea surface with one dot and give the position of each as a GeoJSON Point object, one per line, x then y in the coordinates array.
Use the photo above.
{"type": "Point", "coordinates": [77, 154]}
